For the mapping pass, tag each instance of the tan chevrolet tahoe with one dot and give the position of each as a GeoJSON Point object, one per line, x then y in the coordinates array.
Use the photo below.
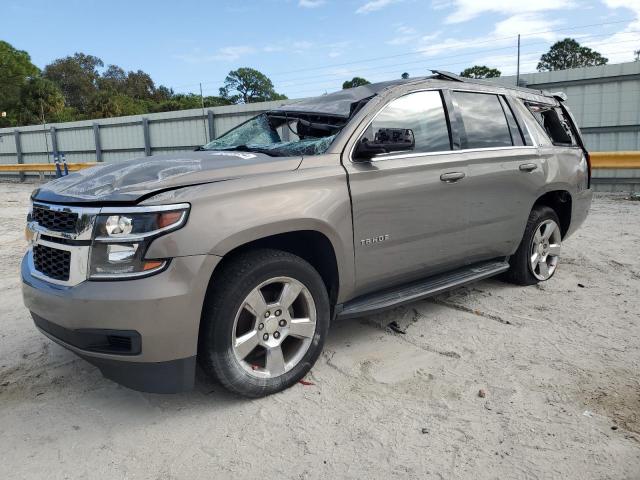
{"type": "Point", "coordinates": [238, 256]}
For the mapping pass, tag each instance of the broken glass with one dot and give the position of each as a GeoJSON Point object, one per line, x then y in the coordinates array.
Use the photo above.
{"type": "Point", "coordinates": [256, 131]}
{"type": "Point", "coordinates": [259, 135]}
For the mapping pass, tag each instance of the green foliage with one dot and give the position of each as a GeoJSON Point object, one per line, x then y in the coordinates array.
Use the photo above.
{"type": "Point", "coordinates": [15, 71]}
{"type": "Point", "coordinates": [404, 76]}
{"type": "Point", "coordinates": [139, 85]}
{"type": "Point", "coordinates": [106, 104]}
{"type": "Point", "coordinates": [40, 97]}
{"type": "Point", "coordinates": [77, 76]}
{"type": "Point", "coordinates": [355, 82]}
{"type": "Point", "coordinates": [480, 71]}
{"type": "Point", "coordinates": [78, 87]}
{"type": "Point", "coordinates": [247, 85]}
{"type": "Point", "coordinates": [186, 101]}
{"type": "Point", "coordinates": [567, 54]}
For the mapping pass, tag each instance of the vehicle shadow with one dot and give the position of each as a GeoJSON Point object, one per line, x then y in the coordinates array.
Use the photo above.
{"type": "Point", "coordinates": [55, 375]}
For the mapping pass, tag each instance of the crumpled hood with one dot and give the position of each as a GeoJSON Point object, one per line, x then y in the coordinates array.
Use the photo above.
{"type": "Point", "coordinates": [127, 182]}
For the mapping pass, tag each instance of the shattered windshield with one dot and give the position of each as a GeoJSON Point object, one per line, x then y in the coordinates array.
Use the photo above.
{"type": "Point", "coordinates": [261, 134]}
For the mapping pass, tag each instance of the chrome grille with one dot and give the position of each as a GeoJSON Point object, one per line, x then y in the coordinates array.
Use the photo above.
{"type": "Point", "coordinates": [52, 262]}
{"type": "Point", "coordinates": [55, 220]}
{"type": "Point", "coordinates": [60, 236]}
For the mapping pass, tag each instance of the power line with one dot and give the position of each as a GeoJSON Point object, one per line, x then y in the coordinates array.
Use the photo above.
{"type": "Point", "coordinates": [475, 52]}
{"type": "Point", "coordinates": [421, 52]}
{"type": "Point", "coordinates": [428, 61]}
{"type": "Point", "coordinates": [476, 43]}
{"type": "Point", "coordinates": [330, 83]}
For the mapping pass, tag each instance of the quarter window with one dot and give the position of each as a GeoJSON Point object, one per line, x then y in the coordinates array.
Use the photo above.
{"type": "Point", "coordinates": [420, 112]}
{"type": "Point", "coordinates": [553, 120]}
{"type": "Point", "coordinates": [483, 119]}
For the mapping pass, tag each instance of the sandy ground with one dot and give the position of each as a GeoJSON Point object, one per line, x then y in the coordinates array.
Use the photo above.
{"type": "Point", "coordinates": [559, 364]}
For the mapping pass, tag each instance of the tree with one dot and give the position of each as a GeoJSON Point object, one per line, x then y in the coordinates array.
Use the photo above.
{"type": "Point", "coordinates": [77, 77]}
{"type": "Point", "coordinates": [139, 85]}
{"type": "Point", "coordinates": [404, 76]}
{"type": "Point", "coordinates": [355, 82]}
{"type": "Point", "coordinates": [77, 87]}
{"type": "Point", "coordinates": [568, 53]}
{"type": "Point", "coordinates": [183, 101]}
{"type": "Point", "coordinates": [40, 97]}
{"type": "Point", "coordinates": [15, 70]}
{"type": "Point", "coordinates": [106, 104]}
{"type": "Point", "coordinates": [163, 93]}
{"type": "Point", "coordinates": [113, 78]}
{"type": "Point", "coordinates": [247, 85]}
{"type": "Point", "coordinates": [480, 71]}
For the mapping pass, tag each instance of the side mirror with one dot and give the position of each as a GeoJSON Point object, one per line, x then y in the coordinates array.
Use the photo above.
{"type": "Point", "coordinates": [386, 140]}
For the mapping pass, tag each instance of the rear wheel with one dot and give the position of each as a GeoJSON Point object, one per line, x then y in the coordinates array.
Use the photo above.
{"type": "Point", "coordinates": [537, 257]}
{"type": "Point", "coordinates": [264, 323]}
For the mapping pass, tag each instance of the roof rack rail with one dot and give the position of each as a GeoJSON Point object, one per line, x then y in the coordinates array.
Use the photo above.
{"type": "Point", "coordinates": [449, 75]}
{"type": "Point", "coordinates": [560, 96]}
{"type": "Point", "coordinates": [440, 74]}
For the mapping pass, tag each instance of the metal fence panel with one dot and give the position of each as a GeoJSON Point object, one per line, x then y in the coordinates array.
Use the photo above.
{"type": "Point", "coordinates": [181, 132]}
{"type": "Point", "coordinates": [121, 137]}
{"type": "Point", "coordinates": [612, 141]}
{"type": "Point", "coordinates": [117, 139]}
{"type": "Point", "coordinates": [605, 101]}
{"type": "Point", "coordinates": [7, 148]}
{"type": "Point", "coordinates": [36, 141]}
{"type": "Point", "coordinates": [75, 139]}
{"type": "Point", "coordinates": [119, 156]}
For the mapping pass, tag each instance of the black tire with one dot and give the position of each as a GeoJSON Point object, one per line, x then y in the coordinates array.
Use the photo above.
{"type": "Point", "coordinates": [520, 270]}
{"type": "Point", "coordinates": [228, 290]}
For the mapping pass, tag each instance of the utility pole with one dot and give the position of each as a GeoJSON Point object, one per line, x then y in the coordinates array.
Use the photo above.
{"type": "Point", "coordinates": [637, 54]}
{"type": "Point", "coordinates": [44, 129]}
{"type": "Point", "coordinates": [204, 120]}
{"type": "Point", "coordinates": [518, 67]}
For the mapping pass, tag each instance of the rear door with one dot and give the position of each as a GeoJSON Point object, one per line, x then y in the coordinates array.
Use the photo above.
{"type": "Point", "coordinates": [409, 208]}
{"type": "Point", "coordinates": [505, 174]}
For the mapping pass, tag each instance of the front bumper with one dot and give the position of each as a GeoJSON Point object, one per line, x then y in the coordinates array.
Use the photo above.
{"type": "Point", "coordinates": [160, 314]}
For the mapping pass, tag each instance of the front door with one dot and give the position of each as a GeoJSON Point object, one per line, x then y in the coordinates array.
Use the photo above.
{"type": "Point", "coordinates": [409, 207]}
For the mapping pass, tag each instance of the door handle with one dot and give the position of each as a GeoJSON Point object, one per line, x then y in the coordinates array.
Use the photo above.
{"type": "Point", "coordinates": [528, 167]}
{"type": "Point", "coordinates": [451, 177]}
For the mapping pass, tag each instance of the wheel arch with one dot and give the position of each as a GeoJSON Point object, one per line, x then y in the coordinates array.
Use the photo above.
{"type": "Point", "coordinates": [561, 203]}
{"type": "Point", "coordinates": [311, 244]}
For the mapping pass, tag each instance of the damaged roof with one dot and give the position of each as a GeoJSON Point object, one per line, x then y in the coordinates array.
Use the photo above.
{"type": "Point", "coordinates": [341, 103]}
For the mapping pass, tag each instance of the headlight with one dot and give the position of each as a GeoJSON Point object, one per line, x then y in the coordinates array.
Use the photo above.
{"type": "Point", "coordinates": [122, 237]}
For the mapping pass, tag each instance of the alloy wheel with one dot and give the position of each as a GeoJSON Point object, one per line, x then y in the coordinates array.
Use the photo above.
{"type": "Point", "coordinates": [545, 250]}
{"type": "Point", "coordinates": [274, 327]}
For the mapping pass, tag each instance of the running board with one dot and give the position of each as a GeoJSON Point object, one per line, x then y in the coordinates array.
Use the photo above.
{"type": "Point", "coordinates": [390, 298]}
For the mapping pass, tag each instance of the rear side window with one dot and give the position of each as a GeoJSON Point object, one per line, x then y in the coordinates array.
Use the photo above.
{"type": "Point", "coordinates": [514, 128]}
{"type": "Point", "coordinates": [420, 112]}
{"type": "Point", "coordinates": [483, 119]}
{"type": "Point", "coordinates": [553, 121]}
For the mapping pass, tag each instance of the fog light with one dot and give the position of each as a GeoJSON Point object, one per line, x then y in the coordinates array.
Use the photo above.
{"type": "Point", "coordinates": [121, 253]}
{"type": "Point", "coordinates": [119, 225]}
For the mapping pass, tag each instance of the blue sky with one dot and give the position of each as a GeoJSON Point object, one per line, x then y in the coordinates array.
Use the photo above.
{"type": "Point", "coordinates": [308, 47]}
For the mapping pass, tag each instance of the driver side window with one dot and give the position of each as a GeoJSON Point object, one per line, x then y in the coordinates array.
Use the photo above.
{"type": "Point", "coordinates": [422, 113]}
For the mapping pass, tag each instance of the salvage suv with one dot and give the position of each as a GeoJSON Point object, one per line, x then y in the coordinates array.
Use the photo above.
{"type": "Point", "coordinates": [239, 255]}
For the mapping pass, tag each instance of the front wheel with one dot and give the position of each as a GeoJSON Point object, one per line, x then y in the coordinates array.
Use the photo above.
{"type": "Point", "coordinates": [537, 256]}
{"type": "Point", "coordinates": [264, 322]}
